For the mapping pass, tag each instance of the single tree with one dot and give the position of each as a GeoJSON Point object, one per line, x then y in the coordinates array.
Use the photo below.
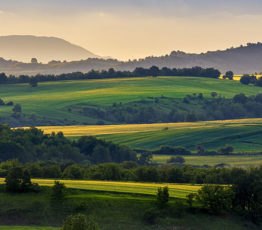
{"type": "Point", "coordinates": [26, 184]}
{"type": "Point", "coordinates": [154, 71]}
{"type": "Point", "coordinates": [3, 78]}
{"type": "Point", "coordinates": [34, 61]}
{"type": "Point", "coordinates": [229, 75]}
{"type": "Point", "coordinates": [213, 94]}
{"type": "Point", "coordinates": [190, 198]}
{"type": "Point", "coordinates": [17, 109]}
{"type": "Point", "coordinates": [200, 149]}
{"type": "Point", "coordinates": [14, 179]}
{"type": "Point", "coordinates": [245, 79]}
{"type": "Point", "coordinates": [58, 192]}
{"type": "Point", "coordinates": [162, 197]}
{"type": "Point", "coordinates": [33, 82]}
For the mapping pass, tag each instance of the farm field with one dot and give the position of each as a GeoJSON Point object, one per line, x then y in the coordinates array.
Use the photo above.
{"type": "Point", "coordinates": [26, 228]}
{"type": "Point", "coordinates": [52, 99]}
{"type": "Point", "coordinates": [175, 190]}
{"type": "Point", "coordinates": [245, 135]}
{"type": "Point", "coordinates": [126, 212]}
{"type": "Point", "coordinates": [238, 161]}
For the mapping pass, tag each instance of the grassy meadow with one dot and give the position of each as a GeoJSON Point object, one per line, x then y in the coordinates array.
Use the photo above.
{"type": "Point", "coordinates": [26, 228]}
{"type": "Point", "coordinates": [112, 211]}
{"type": "Point", "coordinates": [237, 161]}
{"type": "Point", "coordinates": [52, 99]}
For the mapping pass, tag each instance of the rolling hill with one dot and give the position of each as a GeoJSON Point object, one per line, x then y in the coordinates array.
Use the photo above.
{"type": "Point", "coordinates": [241, 60]}
{"type": "Point", "coordinates": [52, 100]}
{"type": "Point", "coordinates": [243, 134]}
{"type": "Point", "coordinates": [45, 49]}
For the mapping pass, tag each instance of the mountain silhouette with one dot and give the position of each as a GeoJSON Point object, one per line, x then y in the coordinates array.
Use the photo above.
{"type": "Point", "coordinates": [25, 47]}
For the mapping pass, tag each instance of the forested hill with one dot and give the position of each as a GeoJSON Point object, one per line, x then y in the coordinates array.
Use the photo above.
{"type": "Point", "coordinates": [243, 59]}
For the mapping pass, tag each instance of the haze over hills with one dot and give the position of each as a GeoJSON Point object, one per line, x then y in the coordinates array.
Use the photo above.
{"type": "Point", "coordinates": [243, 59]}
{"type": "Point", "coordinates": [25, 47]}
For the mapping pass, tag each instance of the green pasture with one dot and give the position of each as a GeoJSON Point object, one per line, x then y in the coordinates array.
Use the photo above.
{"type": "Point", "coordinates": [243, 137]}
{"type": "Point", "coordinates": [237, 161]}
{"type": "Point", "coordinates": [26, 228]}
{"type": "Point", "coordinates": [112, 211]}
{"type": "Point", "coordinates": [52, 99]}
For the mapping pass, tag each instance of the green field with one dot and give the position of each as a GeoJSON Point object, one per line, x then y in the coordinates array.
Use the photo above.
{"type": "Point", "coordinates": [26, 228]}
{"type": "Point", "coordinates": [238, 161]}
{"type": "Point", "coordinates": [176, 190]}
{"type": "Point", "coordinates": [112, 211]}
{"type": "Point", "coordinates": [52, 99]}
{"type": "Point", "coordinates": [245, 135]}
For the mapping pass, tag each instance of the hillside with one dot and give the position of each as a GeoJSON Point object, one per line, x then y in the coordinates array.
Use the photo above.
{"type": "Point", "coordinates": [242, 134]}
{"type": "Point", "coordinates": [45, 49]}
{"type": "Point", "coordinates": [241, 60]}
{"type": "Point", "coordinates": [52, 103]}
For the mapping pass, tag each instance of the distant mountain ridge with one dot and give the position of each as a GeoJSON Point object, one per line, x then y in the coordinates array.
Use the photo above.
{"type": "Point", "coordinates": [25, 47]}
{"type": "Point", "coordinates": [243, 59]}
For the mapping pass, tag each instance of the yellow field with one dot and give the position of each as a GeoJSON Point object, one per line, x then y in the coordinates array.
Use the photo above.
{"type": "Point", "coordinates": [96, 130]}
{"type": "Point", "coordinates": [175, 190]}
{"type": "Point", "coordinates": [238, 77]}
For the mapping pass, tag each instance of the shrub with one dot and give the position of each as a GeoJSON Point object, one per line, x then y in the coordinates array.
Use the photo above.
{"type": "Point", "coordinates": [18, 180]}
{"type": "Point", "coordinates": [215, 199]}
{"type": "Point", "coordinates": [58, 192]}
{"type": "Point", "coordinates": [10, 103]}
{"type": "Point", "coordinates": [176, 160]}
{"type": "Point", "coordinates": [74, 172]}
{"type": "Point", "coordinates": [151, 215]}
{"type": "Point", "coordinates": [162, 197]}
{"type": "Point", "coordinates": [190, 199]}
{"type": "Point", "coordinates": [229, 75]}
{"type": "Point", "coordinates": [79, 222]}
{"type": "Point", "coordinates": [13, 179]}
{"type": "Point", "coordinates": [245, 79]}
{"type": "Point", "coordinates": [226, 150]}
{"type": "Point", "coordinates": [179, 209]}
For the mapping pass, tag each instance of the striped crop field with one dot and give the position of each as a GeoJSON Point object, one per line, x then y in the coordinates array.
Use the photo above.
{"type": "Point", "coordinates": [26, 228]}
{"type": "Point", "coordinates": [237, 161]}
{"type": "Point", "coordinates": [245, 135]}
{"type": "Point", "coordinates": [95, 130]}
{"type": "Point", "coordinates": [175, 190]}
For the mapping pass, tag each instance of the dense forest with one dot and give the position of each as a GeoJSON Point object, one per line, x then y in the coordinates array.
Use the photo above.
{"type": "Point", "coordinates": [33, 145]}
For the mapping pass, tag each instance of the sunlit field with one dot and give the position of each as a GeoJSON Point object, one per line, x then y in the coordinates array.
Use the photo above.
{"type": "Point", "coordinates": [245, 135]}
{"type": "Point", "coordinates": [237, 161]}
{"type": "Point", "coordinates": [175, 190]}
{"type": "Point", "coordinates": [26, 228]}
{"type": "Point", "coordinates": [52, 99]}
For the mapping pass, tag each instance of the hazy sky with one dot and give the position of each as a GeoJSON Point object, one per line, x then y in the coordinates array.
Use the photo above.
{"type": "Point", "coordinates": [137, 28]}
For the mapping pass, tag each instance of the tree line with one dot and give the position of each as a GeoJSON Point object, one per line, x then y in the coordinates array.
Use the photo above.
{"type": "Point", "coordinates": [131, 171]}
{"type": "Point", "coordinates": [239, 191]}
{"type": "Point", "coordinates": [191, 108]}
{"type": "Point", "coordinates": [247, 79]}
{"type": "Point", "coordinates": [111, 73]}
